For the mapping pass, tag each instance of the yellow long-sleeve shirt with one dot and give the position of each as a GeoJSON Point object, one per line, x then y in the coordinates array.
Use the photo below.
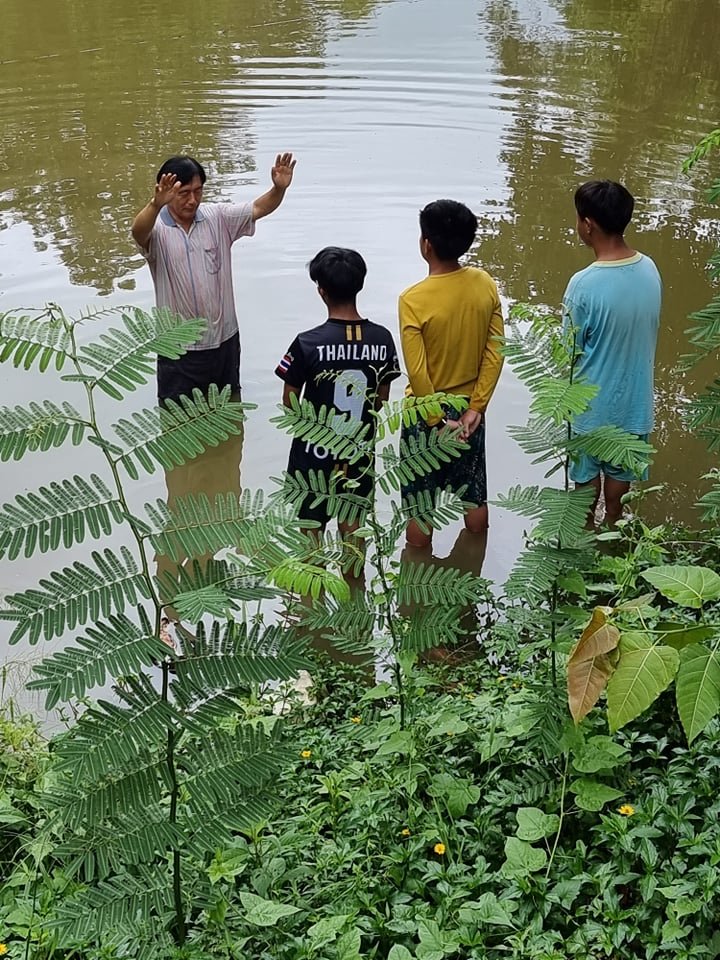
{"type": "Point", "coordinates": [448, 326]}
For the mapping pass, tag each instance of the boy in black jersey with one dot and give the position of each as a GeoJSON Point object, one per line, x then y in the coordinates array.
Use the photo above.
{"type": "Point", "coordinates": [347, 363]}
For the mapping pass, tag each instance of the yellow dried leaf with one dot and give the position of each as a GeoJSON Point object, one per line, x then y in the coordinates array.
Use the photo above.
{"type": "Point", "coordinates": [597, 638]}
{"type": "Point", "coordinates": [586, 680]}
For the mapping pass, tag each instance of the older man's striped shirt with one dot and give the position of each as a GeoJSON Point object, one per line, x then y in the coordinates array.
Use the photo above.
{"type": "Point", "coordinates": [192, 272]}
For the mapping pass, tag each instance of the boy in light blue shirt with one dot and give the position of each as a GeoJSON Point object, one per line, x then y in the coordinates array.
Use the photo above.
{"type": "Point", "coordinates": [613, 309]}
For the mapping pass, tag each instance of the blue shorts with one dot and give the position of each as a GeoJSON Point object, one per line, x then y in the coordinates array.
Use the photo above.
{"type": "Point", "coordinates": [584, 468]}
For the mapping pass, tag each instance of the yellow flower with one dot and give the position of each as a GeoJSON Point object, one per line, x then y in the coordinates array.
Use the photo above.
{"type": "Point", "coordinates": [3, 949]}
{"type": "Point", "coordinates": [439, 848]}
{"type": "Point", "coordinates": [627, 810]}
{"type": "Point", "coordinates": [405, 832]}
{"type": "Point", "coordinates": [355, 719]}
{"type": "Point", "coordinates": [306, 754]}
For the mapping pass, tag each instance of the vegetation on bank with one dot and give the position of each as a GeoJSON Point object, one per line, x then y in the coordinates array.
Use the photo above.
{"type": "Point", "coordinates": [459, 810]}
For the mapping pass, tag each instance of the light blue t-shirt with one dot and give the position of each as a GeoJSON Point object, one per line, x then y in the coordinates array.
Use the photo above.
{"type": "Point", "coordinates": [614, 307]}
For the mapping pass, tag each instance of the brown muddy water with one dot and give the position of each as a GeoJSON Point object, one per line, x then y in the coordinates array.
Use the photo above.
{"type": "Point", "coordinates": [387, 104]}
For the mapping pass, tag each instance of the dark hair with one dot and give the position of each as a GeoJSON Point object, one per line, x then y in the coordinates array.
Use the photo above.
{"type": "Point", "coordinates": [449, 226]}
{"type": "Point", "coordinates": [339, 272]}
{"type": "Point", "coordinates": [606, 202]}
{"type": "Point", "coordinates": [184, 168]}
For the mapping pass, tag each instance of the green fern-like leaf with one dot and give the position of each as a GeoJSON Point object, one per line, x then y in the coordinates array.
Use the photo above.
{"type": "Point", "coordinates": [431, 510]}
{"type": "Point", "coordinates": [703, 415]}
{"type": "Point", "coordinates": [418, 457]}
{"type": "Point", "coordinates": [539, 567]}
{"type": "Point", "coordinates": [114, 905]}
{"type": "Point", "coordinates": [24, 340]}
{"type": "Point", "coordinates": [171, 435]}
{"type": "Point", "coordinates": [344, 437]}
{"type": "Point", "coordinates": [308, 579]}
{"type": "Point", "coordinates": [561, 400]}
{"type": "Point", "coordinates": [348, 626]}
{"type": "Point", "coordinates": [613, 445]}
{"type": "Point", "coordinates": [704, 335]}
{"type": "Point", "coordinates": [538, 350]}
{"type": "Point", "coordinates": [411, 409]}
{"type": "Point", "coordinates": [542, 439]}
{"type": "Point", "coordinates": [124, 358]}
{"type": "Point", "coordinates": [64, 512]}
{"type": "Point", "coordinates": [196, 526]}
{"type": "Point", "coordinates": [564, 516]}
{"type": "Point", "coordinates": [709, 503]}
{"type": "Point", "coordinates": [110, 735]}
{"type": "Point", "coordinates": [344, 505]}
{"type": "Point", "coordinates": [232, 656]}
{"type": "Point", "coordinates": [39, 426]}
{"type": "Point", "coordinates": [118, 647]}
{"type": "Point", "coordinates": [216, 770]}
{"type": "Point", "coordinates": [427, 627]}
{"type": "Point", "coordinates": [419, 583]}
{"type": "Point", "coordinates": [105, 849]}
{"type": "Point", "coordinates": [76, 594]}
{"type": "Point", "coordinates": [215, 587]}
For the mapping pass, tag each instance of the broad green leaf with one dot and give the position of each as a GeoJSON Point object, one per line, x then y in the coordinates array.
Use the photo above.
{"type": "Point", "coordinates": [457, 792]}
{"type": "Point", "coordinates": [592, 795]}
{"type": "Point", "coordinates": [434, 942]}
{"type": "Point", "coordinates": [686, 585]}
{"type": "Point", "coordinates": [399, 742]}
{"type": "Point", "coordinates": [398, 952]}
{"type": "Point", "coordinates": [697, 688]}
{"type": "Point", "coordinates": [348, 945]}
{"type": "Point", "coordinates": [521, 858]}
{"type": "Point", "coordinates": [680, 635]}
{"type": "Point", "coordinates": [533, 824]}
{"type": "Point", "coordinates": [486, 910]}
{"type": "Point", "coordinates": [326, 930]}
{"type": "Point", "coordinates": [641, 675]}
{"type": "Point", "coordinates": [262, 912]}
{"type": "Point", "coordinates": [599, 753]}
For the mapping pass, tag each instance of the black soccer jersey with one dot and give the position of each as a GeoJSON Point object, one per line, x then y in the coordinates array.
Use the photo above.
{"type": "Point", "coordinates": [338, 364]}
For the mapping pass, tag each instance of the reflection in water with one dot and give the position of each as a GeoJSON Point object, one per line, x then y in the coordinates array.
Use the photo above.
{"type": "Point", "coordinates": [604, 88]}
{"type": "Point", "coordinates": [466, 556]}
{"type": "Point", "coordinates": [95, 95]}
{"type": "Point", "coordinates": [216, 471]}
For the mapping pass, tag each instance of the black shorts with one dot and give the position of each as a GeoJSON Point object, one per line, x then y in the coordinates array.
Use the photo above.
{"type": "Point", "coordinates": [200, 368]}
{"type": "Point", "coordinates": [465, 475]}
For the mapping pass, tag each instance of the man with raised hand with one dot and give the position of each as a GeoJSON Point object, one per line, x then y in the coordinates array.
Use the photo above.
{"type": "Point", "coordinates": [187, 244]}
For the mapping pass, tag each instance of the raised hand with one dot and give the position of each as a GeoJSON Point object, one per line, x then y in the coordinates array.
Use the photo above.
{"type": "Point", "coordinates": [282, 171]}
{"type": "Point", "coordinates": [166, 189]}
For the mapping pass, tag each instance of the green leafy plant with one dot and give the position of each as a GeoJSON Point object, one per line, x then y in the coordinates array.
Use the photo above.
{"type": "Point", "coordinates": [153, 779]}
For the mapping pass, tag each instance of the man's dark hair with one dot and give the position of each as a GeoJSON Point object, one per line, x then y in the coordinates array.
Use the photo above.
{"type": "Point", "coordinates": [608, 203]}
{"type": "Point", "coordinates": [184, 168]}
{"type": "Point", "coordinates": [449, 226]}
{"type": "Point", "coordinates": [339, 272]}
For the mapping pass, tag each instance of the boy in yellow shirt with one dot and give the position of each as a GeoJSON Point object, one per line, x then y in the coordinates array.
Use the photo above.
{"type": "Point", "coordinates": [449, 325]}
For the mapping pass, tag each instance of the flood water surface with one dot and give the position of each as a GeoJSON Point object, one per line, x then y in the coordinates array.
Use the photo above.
{"type": "Point", "coordinates": [504, 104]}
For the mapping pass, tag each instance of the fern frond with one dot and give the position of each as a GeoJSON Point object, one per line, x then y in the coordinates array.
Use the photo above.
{"type": "Point", "coordinates": [38, 426]}
{"type": "Point", "coordinates": [110, 735]}
{"type": "Point", "coordinates": [214, 770]}
{"type": "Point", "coordinates": [116, 903]}
{"type": "Point", "coordinates": [704, 335]}
{"type": "Point", "coordinates": [433, 626]}
{"type": "Point", "coordinates": [433, 510]}
{"type": "Point", "coordinates": [215, 587]}
{"type": "Point", "coordinates": [232, 655]}
{"type": "Point", "coordinates": [308, 579]}
{"type": "Point", "coordinates": [124, 358]}
{"type": "Point", "coordinates": [64, 512]}
{"type": "Point", "coordinates": [418, 456]}
{"type": "Point", "coordinates": [524, 501]}
{"type": "Point", "coordinates": [541, 438]}
{"type": "Point", "coordinates": [116, 648]}
{"type": "Point", "coordinates": [171, 435]}
{"type": "Point", "coordinates": [27, 339]}
{"type": "Point", "coordinates": [438, 586]}
{"type": "Point", "coordinates": [561, 400]}
{"type": "Point", "coordinates": [140, 784]}
{"type": "Point", "coordinates": [348, 626]}
{"type": "Point", "coordinates": [411, 409]}
{"type": "Point", "coordinates": [104, 849]}
{"type": "Point", "coordinates": [343, 436]}
{"type": "Point", "coordinates": [345, 506]}
{"type": "Point", "coordinates": [703, 415]}
{"type": "Point", "coordinates": [709, 502]}
{"type": "Point", "coordinates": [196, 526]}
{"type": "Point", "coordinates": [539, 566]}
{"type": "Point", "coordinates": [537, 352]}
{"type": "Point", "coordinates": [76, 594]}
{"type": "Point", "coordinates": [613, 445]}
{"type": "Point", "coordinates": [564, 516]}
